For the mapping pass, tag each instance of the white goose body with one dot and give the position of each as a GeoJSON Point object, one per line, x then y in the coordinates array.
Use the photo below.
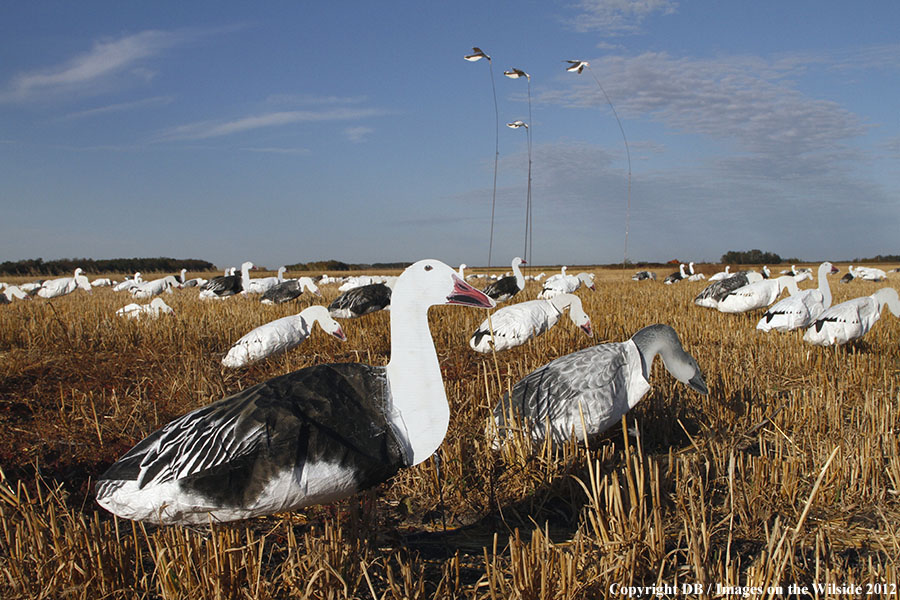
{"type": "Point", "coordinates": [64, 285]}
{"type": "Point", "coordinates": [280, 336]}
{"type": "Point", "coordinates": [852, 319]}
{"type": "Point", "coordinates": [311, 436]}
{"type": "Point", "coordinates": [13, 292]}
{"type": "Point", "coordinates": [155, 287]}
{"type": "Point", "coordinates": [128, 284]}
{"type": "Point", "coordinates": [721, 274]}
{"type": "Point", "coordinates": [694, 276]}
{"type": "Point", "coordinates": [515, 324]}
{"type": "Point", "coordinates": [261, 285]}
{"type": "Point", "coordinates": [717, 290]}
{"type": "Point", "coordinates": [600, 384]}
{"type": "Point", "coordinates": [757, 295]}
{"type": "Point", "coordinates": [799, 310]}
{"type": "Point", "coordinates": [566, 284]}
{"type": "Point", "coordinates": [870, 274]}
{"type": "Point", "coordinates": [156, 306]}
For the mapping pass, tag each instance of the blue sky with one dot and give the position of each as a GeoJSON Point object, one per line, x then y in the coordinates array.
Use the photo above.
{"type": "Point", "coordinates": [298, 131]}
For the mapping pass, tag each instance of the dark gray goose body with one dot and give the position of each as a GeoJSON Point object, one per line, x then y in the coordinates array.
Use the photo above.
{"type": "Point", "coordinates": [718, 290]}
{"type": "Point", "coordinates": [598, 384]}
{"type": "Point", "coordinates": [283, 292]}
{"type": "Point", "coordinates": [360, 301]}
{"type": "Point", "coordinates": [506, 287]}
{"type": "Point", "coordinates": [642, 275]}
{"type": "Point", "coordinates": [224, 285]}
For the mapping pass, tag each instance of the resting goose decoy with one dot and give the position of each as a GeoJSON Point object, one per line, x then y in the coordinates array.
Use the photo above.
{"type": "Point", "coordinates": [848, 276]}
{"type": "Point", "coordinates": [515, 324]}
{"type": "Point", "coordinates": [280, 335]}
{"type": "Point", "coordinates": [128, 284]}
{"type": "Point", "coordinates": [800, 310]}
{"type": "Point", "coordinates": [309, 437]}
{"type": "Point", "coordinates": [156, 306]}
{"type": "Point", "coordinates": [721, 274]}
{"type": "Point", "coordinates": [643, 275]}
{"type": "Point", "coordinates": [227, 285]}
{"type": "Point", "coordinates": [506, 287]}
{"type": "Point", "coordinates": [870, 274]}
{"type": "Point", "coordinates": [566, 284]}
{"type": "Point", "coordinates": [64, 285]}
{"type": "Point", "coordinates": [694, 276]}
{"type": "Point", "coordinates": [757, 295]}
{"type": "Point", "coordinates": [101, 282]}
{"type": "Point", "coordinates": [677, 276]}
{"type": "Point", "coordinates": [260, 285]}
{"type": "Point", "coordinates": [360, 301]}
{"type": "Point", "coordinates": [852, 319]}
{"type": "Point", "coordinates": [13, 292]}
{"type": "Point", "coordinates": [290, 289]}
{"type": "Point", "coordinates": [715, 291]}
{"type": "Point", "coordinates": [600, 383]}
{"type": "Point", "coordinates": [155, 287]}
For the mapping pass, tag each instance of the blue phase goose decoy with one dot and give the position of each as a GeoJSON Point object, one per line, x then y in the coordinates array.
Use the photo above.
{"type": "Point", "coordinates": [227, 285]}
{"type": "Point", "coordinates": [506, 287]}
{"type": "Point", "coordinates": [360, 301]}
{"type": "Point", "coordinates": [677, 276]}
{"type": "Point", "coordinates": [852, 319]}
{"type": "Point", "coordinates": [289, 289]}
{"type": "Point", "coordinates": [600, 383]}
{"type": "Point", "coordinates": [515, 324]}
{"type": "Point", "coordinates": [280, 336]}
{"type": "Point", "coordinates": [642, 275]}
{"type": "Point", "coordinates": [800, 310]}
{"type": "Point", "coordinates": [308, 437]}
{"type": "Point", "coordinates": [757, 295]}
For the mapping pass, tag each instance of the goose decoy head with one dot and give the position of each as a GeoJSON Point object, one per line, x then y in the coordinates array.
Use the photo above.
{"type": "Point", "coordinates": [662, 339]}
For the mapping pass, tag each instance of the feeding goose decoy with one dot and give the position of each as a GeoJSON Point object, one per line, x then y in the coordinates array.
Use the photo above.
{"type": "Point", "coordinates": [852, 319]}
{"type": "Point", "coordinates": [515, 324]}
{"type": "Point", "coordinates": [156, 306]}
{"type": "Point", "coordinates": [309, 437]}
{"type": "Point", "coordinates": [280, 335]}
{"type": "Point", "coordinates": [598, 384]}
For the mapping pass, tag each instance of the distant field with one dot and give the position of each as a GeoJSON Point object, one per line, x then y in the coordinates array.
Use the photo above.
{"type": "Point", "coordinates": [725, 489]}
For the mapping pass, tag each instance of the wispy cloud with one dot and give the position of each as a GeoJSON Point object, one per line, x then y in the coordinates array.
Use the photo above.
{"type": "Point", "coordinates": [358, 134]}
{"type": "Point", "coordinates": [211, 129]}
{"type": "Point", "coordinates": [120, 107]}
{"type": "Point", "coordinates": [105, 59]}
{"type": "Point", "coordinates": [311, 99]}
{"type": "Point", "coordinates": [276, 150]}
{"type": "Point", "coordinates": [617, 17]}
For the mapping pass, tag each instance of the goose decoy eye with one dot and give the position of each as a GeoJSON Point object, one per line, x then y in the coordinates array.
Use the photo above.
{"type": "Point", "coordinates": [428, 267]}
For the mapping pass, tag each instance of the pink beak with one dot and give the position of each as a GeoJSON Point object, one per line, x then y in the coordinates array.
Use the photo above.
{"type": "Point", "coordinates": [465, 294]}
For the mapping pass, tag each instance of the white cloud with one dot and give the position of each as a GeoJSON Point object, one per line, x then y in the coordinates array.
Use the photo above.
{"type": "Point", "coordinates": [616, 17]}
{"type": "Point", "coordinates": [120, 107]}
{"type": "Point", "coordinates": [210, 129]}
{"type": "Point", "coordinates": [107, 58]}
{"type": "Point", "coordinates": [358, 134]}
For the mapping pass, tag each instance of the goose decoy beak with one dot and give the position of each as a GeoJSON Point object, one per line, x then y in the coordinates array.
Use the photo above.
{"type": "Point", "coordinates": [588, 329]}
{"type": "Point", "coordinates": [698, 383]}
{"type": "Point", "coordinates": [465, 294]}
{"type": "Point", "coordinates": [339, 334]}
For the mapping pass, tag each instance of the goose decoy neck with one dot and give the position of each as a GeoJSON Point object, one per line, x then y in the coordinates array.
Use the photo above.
{"type": "Point", "coordinates": [888, 297]}
{"type": "Point", "coordinates": [662, 339]}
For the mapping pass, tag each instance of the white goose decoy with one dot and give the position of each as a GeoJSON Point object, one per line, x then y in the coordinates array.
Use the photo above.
{"type": "Point", "coordinates": [870, 274]}
{"type": "Point", "coordinates": [360, 301]}
{"type": "Point", "coordinates": [155, 287]}
{"type": "Point", "coordinates": [757, 295]}
{"type": "Point", "coordinates": [600, 384]}
{"type": "Point", "coordinates": [715, 291]}
{"type": "Point", "coordinates": [694, 276]}
{"type": "Point", "coordinates": [13, 292]}
{"type": "Point", "coordinates": [156, 306]}
{"type": "Point", "coordinates": [801, 309]}
{"type": "Point", "coordinates": [64, 285]}
{"type": "Point", "coordinates": [309, 437]}
{"type": "Point", "coordinates": [101, 282]}
{"type": "Point", "coordinates": [477, 54]}
{"type": "Point", "coordinates": [676, 277]}
{"type": "Point", "coordinates": [290, 289]}
{"type": "Point", "coordinates": [135, 281]}
{"type": "Point", "coordinates": [261, 285]}
{"type": "Point", "coordinates": [721, 274]}
{"type": "Point", "coordinates": [515, 324]}
{"type": "Point", "coordinates": [506, 287]}
{"type": "Point", "coordinates": [566, 284]}
{"type": "Point", "coordinates": [852, 319]}
{"type": "Point", "coordinates": [181, 275]}
{"type": "Point", "coordinates": [227, 285]}
{"type": "Point", "coordinates": [280, 335]}
{"type": "Point", "coordinates": [577, 66]}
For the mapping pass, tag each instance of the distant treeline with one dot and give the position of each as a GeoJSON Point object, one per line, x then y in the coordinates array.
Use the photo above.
{"type": "Point", "coordinates": [336, 265]}
{"type": "Point", "coordinates": [65, 266]}
{"type": "Point", "coordinates": [750, 257]}
{"type": "Point", "coordinates": [886, 258]}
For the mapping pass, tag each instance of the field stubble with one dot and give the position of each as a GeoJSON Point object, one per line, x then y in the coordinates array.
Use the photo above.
{"type": "Point", "coordinates": [788, 472]}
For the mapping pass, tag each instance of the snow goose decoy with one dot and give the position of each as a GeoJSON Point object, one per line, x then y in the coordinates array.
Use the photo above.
{"type": "Point", "coordinates": [227, 285]}
{"type": "Point", "coordinates": [360, 301]}
{"type": "Point", "coordinates": [566, 284]}
{"type": "Point", "coordinates": [848, 276]}
{"type": "Point", "coordinates": [757, 295]}
{"type": "Point", "coordinates": [852, 319]}
{"type": "Point", "coordinates": [692, 276]}
{"type": "Point", "coordinates": [721, 274]}
{"type": "Point", "coordinates": [260, 285]}
{"type": "Point", "coordinates": [677, 276]}
{"type": "Point", "coordinates": [13, 292]}
{"type": "Point", "coordinates": [598, 384]}
{"type": "Point", "coordinates": [870, 274]}
{"type": "Point", "coordinates": [644, 275]}
{"type": "Point", "coordinates": [156, 306]}
{"type": "Point", "coordinates": [308, 437]}
{"type": "Point", "coordinates": [715, 291]}
{"type": "Point", "coordinates": [801, 309]}
{"type": "Point", "coordinates": [288, 290]}
{"type": "Point", "coordinates": [280, 335]}
{"type": "Point", "coordinates": [155, 287]}
{"type": "Point", "coordinates": [127, 284]}
{"type": "Point", "coordinates": [506, 287]}
{"type": "Point", "coordinates": [64, 285]}
{"type": "Point", "coordinates": [515, 324]}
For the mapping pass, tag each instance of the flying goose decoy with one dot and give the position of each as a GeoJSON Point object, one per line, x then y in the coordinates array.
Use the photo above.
{"type": "Point", "coordinates": [477, 54]}
{"type": "Point", "coordinates": [514, 73]}
{"type": "Point", "coordinates": [308, 437]}
{"type": "Point", "coordinates": [598, 384]}
{"type": "Point", "coordinates": [577, 66]}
